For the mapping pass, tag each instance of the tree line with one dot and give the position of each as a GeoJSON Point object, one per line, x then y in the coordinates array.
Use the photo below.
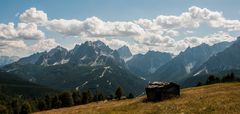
{"type": "Point", "coordinates": [19, 105]}
{"type": "Point", "coordinates": [212, 79]}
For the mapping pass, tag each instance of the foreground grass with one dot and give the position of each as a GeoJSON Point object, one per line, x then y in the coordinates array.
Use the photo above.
{"type": "Point", "coordinates": [217, 98]}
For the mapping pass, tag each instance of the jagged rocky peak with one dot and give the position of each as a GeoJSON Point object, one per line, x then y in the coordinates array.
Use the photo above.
{"type": "Point", "coordinates": [96, 43]}
{"type": "Point", "coordinates": [99, 46]}
{"type": "Point", "coordinates": [57, 49]}
{"type": "Point", "coordinates": [60, 48]}
{"type": "Point", "coordinates": [93, 53]}
{"type": "Point", "coordinates": [124, 52]}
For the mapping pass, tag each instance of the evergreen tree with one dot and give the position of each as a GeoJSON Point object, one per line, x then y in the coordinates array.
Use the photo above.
{"type": "Point", "coordinates": [90, 96]}
{"type": "Point", "coordinates": [229, 78]}
{"type": "Point", "coordinates": [212, 79]}
{"type": "Point", "coordinates": [232, 77]}
{"type": "Point", "coordinates": [15, 104]}
{"type": "Point", "coordinates": [199, 84]}
{"type": "Point", "coordinates": [48, 101]}
{"type": "Point", "coordinates": [95, 98]}
{"type": "Point", "coordinates": [26, 108]}
{"type": "Point", "coordinates": [130, 96]}
{"type": "Point", "coordinates": [66, 99]}
{"type": "Point", "coordinates": [41, 105]}
{"type": "Point", "coordinates": [86, 97]}
{"type": "Point", "coordinates": [56, 103]}
{"type": "Point", "coordinates": [119, 93]}
{"type": "Point", "coordinates": [76, 97]}
{"type": "Point", "coordinates": [100, 97]}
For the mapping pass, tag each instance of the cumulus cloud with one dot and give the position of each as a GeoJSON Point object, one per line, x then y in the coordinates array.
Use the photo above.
{"type": "Point", "coordinates": [161, 29]}
{"type": "Point", "coordinates": [33, 15]}
{"type": "Point", "coordinates": [160, 33]}
{"type": "Point", "coordinates": [12, 47]}
{"type": "Point", "coordinates": [43, 45]}
{"type": "Point", "coordinates": [175, 46]}
{"type": "Point", "coordinates": [209, 39]}
{"type": "Point", "coordinates": [21, 31]}
{"type": "Point", "coordinates": [94, 27]}
{"type": "Point", "coordinates": [194, 17]}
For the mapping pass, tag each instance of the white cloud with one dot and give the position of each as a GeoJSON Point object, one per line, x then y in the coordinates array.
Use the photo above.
{"type": "Point", "coordinates": [21, 31]}
{"type": "Point", "coordinates": [94, 27]}
{"type": "Point", "coordinates": [12, 47]}
{"type": "Point", "coordinates": [160, 33]}
{"type": "Point", "coordinates": [115, 43]}
{"type": "Point", "coordinates": [213, 18]}
{"type": "Point", "coordinates": [33, 15]}
{"type": "Point", "coordinates": [20, 48]}
{"type": "Point", "coordinates": [152, 32]}
{"type": "Point", "coordinates": [43, 45]}
{"type": "Point", "coordinates": [209, 39]}
{"type": "Point", "coordinates": [175, 46]}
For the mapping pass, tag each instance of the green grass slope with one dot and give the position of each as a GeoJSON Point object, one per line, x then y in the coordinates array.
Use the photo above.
{"type": "Point", "coordinates": [217, 98]}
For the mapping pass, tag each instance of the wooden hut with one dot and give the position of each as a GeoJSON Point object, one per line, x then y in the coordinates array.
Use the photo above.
{"type": "Point", "coordinates": [157, 91]}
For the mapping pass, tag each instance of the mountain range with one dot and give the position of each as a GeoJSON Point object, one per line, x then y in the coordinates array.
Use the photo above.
{"type": "Point", "coordinates": [94, 65]}
{"type": "Point", "coordinates": [220, 64]}
{"type": "Point", "coordinates": [91, 65]}
{"type": "Point", "coordinates": [186, 62]}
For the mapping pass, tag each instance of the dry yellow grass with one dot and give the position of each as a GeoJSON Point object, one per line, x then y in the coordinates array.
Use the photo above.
{"type": "Point", "coordinates": [217, 98]}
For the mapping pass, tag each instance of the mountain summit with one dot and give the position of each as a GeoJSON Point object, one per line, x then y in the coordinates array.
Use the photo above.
{"type": "Point", "coordinates": [124, 52]}
{"type": "Point", "coordinates": [89, 65]}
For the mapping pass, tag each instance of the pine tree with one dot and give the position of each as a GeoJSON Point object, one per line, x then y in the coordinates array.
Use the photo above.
{"type": "Point", "coordinates": [119, 93]}
{"type": "Point", "coordinates": [41, 105]}
{"type": "Point", "coordinates": [48, 101]}
{"type": "Point", "coordinates": [26, 108]}
{"type": "Point", "coordinates": [76, 97]}
{"type": "Point", "coordinates": [86, 97]}
{"type": "Point", "coordinates": [66, 99]}
{"type": "Point", "coordinates": [15, 104]}
{"type": "Point", "coordinates": [212, 79]}
{"type": "Point", "coordinates": [100, 97]}
{"type": "Point", "coordinates": [130, 96]}
{"type": "Point", "coordinates": [56, 103]}
{"type": "Point", "coordinates": [232, 76]}
{"type": "Point", "coordinates": [90, 96]}
{"type": "Point", "coordinates": [199, 84]}
{"type": "Point", "coordinates": [95, 98]}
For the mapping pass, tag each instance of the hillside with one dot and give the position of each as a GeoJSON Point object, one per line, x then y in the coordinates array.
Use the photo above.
{"type": "Point", "coordinates": [216, 98]}
{"type": "Point", "coordinates": [12, 85]}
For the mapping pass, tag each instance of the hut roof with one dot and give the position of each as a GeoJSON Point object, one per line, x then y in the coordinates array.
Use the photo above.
{"type": "Point", "coordinates": [159, 84]}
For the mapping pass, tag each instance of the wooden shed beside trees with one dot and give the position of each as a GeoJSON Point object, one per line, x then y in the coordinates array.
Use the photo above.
{"type": "Point", "coordinates": [157, 91]}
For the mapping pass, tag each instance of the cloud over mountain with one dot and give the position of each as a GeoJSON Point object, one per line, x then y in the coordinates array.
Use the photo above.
{"type": "Point", "coordinates": [161, 33]}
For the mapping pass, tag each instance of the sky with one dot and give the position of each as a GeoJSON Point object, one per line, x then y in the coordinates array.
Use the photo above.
{"type": "Point", "coordinates": [30, 26]}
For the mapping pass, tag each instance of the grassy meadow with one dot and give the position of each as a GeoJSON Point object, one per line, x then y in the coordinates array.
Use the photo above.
{"type": "Point", "coordinates": [217, 98]}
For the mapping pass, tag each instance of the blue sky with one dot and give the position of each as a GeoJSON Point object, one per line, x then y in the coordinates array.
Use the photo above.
{"type": "Point", "coordinates": [123, 11]}
{"type": "Point", "coordinates": [114, 9]}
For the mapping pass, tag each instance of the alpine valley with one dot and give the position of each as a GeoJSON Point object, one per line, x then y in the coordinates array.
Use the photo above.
{"type": "Point", "coordinates": [94, 65]}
